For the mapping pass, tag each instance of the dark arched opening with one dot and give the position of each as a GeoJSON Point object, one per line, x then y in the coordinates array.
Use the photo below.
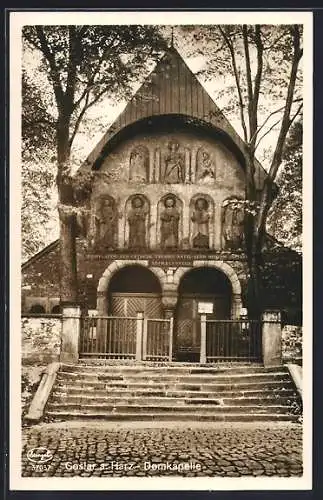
{"type": "Point", "coordinates": [57, 309]}
{"type": "Point", "coordinates": [197, 287]}
{"type": "Point", "coordinates": [134, 289]}
{"type": "Point", "coordinates": [37, 309]}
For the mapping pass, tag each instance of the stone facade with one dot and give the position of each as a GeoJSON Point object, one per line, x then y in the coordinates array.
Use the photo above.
{"type": "Point", "coordinates": [167, 197]}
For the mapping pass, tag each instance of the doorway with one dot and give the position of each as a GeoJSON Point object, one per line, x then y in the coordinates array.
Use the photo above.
{"type": "Point", "coordinates": [199, 285]}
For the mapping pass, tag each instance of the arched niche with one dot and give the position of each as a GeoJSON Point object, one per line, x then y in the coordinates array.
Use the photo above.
{"type": "Point", "coordinates": [201, 222]}
{"type": "Point", "coordinates": [104, 224]}
{"type": "Point", "coordinates": [169, 222]}
{"type": "Point", "coordinates": [204, 167]}
{"type": "Point", "coordinates": [139, 164]}
{"type": "Point", "coordinates": [232, 222]}
{"type": "Point", "coordinates": [137, 222]}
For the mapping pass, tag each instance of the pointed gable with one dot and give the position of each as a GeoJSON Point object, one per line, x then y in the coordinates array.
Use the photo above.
{"type": "Point", "coordinates": [171, 88]}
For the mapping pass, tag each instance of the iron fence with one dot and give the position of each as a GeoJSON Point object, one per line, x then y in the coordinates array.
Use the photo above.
{"type": "Point", "coordinates": [108, 337]}
{"type": "Point", "coordinates": [157, 339]}
{"type": "Point", "coordinates": [233, 340]}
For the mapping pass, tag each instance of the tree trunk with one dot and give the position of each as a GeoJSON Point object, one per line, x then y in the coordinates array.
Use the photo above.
{"type": "Point", "coordinates": [68, 264]}
{"type": "Point", "coordinates": [68, 267]}
{"type": "Point", "coordinates": [254, 291]}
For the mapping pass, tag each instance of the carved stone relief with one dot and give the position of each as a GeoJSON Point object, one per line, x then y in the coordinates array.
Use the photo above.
{"type": "Point", "coordinates": [174, 164]}
{"type": "Point", "coordinates": [201, 224]}
{"type": "Point", "coordinates": [233, 225]}
{"type": "Point", "coordinates": [169, 223]}
{"type": "Point", "coordinates": [104, 224]}
{"type": "Point", "coordinates": [205, 167]}
{"type": "Point", "coordinates": [139, 164]}
{"type": "Point", "coordinates": [137, 220]}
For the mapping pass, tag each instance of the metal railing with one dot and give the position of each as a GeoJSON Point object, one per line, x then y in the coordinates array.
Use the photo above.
{"type": "Point", "coordinates": [231, 340]}
{"type": "Point", "coordinates": [158, 339]}
{"type": "Point", "coordinates": [126, 338]}
{"type": "Point", "coordinates": [108, 337]}
{"type": "Point", "coordinates": [151, 339]}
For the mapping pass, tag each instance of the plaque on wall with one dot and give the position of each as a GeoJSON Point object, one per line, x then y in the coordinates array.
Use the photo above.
{"type": "Point", "coordinates": [205, 307]}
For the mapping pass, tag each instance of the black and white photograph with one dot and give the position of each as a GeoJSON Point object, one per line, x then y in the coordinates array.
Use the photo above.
{"type": "Point", "coordinates": [160, 250]}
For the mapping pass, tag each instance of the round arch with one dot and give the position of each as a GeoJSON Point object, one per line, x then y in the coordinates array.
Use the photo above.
{"type": "Point", "coordinates": [112, 269]}
{"type": "Point", "coordinates": [229, 272]}
{"type": "Point", "coordinates": [169, 121]}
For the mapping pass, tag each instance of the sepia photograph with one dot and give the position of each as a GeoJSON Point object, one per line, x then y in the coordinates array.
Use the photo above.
{"type": "Point", "coordinates": [160, 241]}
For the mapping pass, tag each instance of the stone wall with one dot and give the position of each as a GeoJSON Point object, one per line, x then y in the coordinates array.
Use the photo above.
{"type": "Point", "coordinates": [292, 344]}
{"type": "Point", "coordinates": [40, 340]}
{"type": "Point", "coordinates": [228, 182]}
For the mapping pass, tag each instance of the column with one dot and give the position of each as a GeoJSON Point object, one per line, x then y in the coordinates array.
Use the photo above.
{"type": "Point", "coordinates": [203, 339]}
{"type": "Point", "coordinates": [139, 335]}
{"type": "Point", "coordinates": [71, 328]}
{"type": "Point", "coordinates": [271, 338]}
{"type": "Point", "coordinates": [169, 301]}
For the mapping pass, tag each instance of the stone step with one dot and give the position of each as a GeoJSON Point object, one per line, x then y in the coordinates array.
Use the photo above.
{"type": "Point", "coordinates": [126, 408]}
{"type": "Point", "coordinates": [176, 386]}
{"type": "Point", "coordinates": [265, 393]}
{"type": "Point", "coordinates": [175, 378]}
{"type": "Point", "coordinates": [171, 369]}
{"type": "Point", "coordinates": [167, 400]}
{"type": "Point", "coordinates": [171, 416]}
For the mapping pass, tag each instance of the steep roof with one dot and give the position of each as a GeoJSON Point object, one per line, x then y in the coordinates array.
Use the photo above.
{"type": "Point", "coordinates": [171, 88]}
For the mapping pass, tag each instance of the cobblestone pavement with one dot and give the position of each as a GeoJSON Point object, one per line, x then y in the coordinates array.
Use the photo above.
{"type": "Point", "coordinates": [94, 449]}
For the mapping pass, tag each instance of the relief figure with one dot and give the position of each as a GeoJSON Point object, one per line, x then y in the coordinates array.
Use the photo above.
{"type": "Point", "coordinates": [137, 223]}
{"type": "Point", "coordinates": [174, 164]}
{"type": "Point", "coordinates": [169, 224]}
{"type": "Point", "coordinates": [205, 169]}
{"type": "Point", "coordinates": [139, 164]}
{"type": "Point", "coordinates": [105, 224]}
{"type": "Point", "coordinates": [233, 226]}
{"type": "Point", "coordinates": [200, 219]}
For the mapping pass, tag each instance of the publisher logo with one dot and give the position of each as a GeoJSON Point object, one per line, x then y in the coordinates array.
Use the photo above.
{"type": "Point", "coordinates": [39, 455]}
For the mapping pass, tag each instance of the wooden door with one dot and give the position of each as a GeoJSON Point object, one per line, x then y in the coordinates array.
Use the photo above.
{"type": "Point", "coordinates": [187, 323]}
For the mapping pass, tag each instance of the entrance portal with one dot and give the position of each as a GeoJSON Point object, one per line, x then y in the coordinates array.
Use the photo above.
{"type": "Point", "coordinates": [199, 285]}
{"type": "Point", "coordinates": [134, 289]}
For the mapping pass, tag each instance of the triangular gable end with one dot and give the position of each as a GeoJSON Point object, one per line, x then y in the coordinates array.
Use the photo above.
{"type": "Point", "coordinates": [171, 88]}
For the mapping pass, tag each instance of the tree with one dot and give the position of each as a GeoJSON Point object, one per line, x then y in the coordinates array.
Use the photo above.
{"type": "Point", "coordinates": [38, 149]}
{"type": "Point", "coordinates": [264, 63]}
{"type": "Point", "coordinates": [82, 64]}
{"type": "Point", "coordinates": [285, 216]}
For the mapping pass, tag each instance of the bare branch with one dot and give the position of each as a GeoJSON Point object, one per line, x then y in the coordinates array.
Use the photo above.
{"type": "Point", "coordinates": [297, 55]}
{"type": "Point", "coordinates": [248, 65]}
{"type": "Point", "coordinates": [78, 121]}
{"type": "Point", "coordinates": [278, 110]}
{"type": "Point", "coordinates": [266, 133]}
{"type": "Point", "coordinates": [285, 125]}
{"type": "Point", "coordinates": [44, 47]}
{"type": "Point", "coordinates": [237, 79]}
{"type": "Point", "coordinates": [73, 56]}
{"type": "Point", "coordinates": [297, 112]}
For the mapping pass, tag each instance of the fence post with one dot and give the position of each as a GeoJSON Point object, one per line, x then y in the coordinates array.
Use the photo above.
{"type": "Point", "coordinates": [203, 339]}
{"type": "Point", "coordinates": [271, 338]}
{"type": "Point", "coordinates": [171, 326]}
{"type": "Point", "coordinates": [71, 327]}
{"type": "Point", "coordinates": [144, 338]}
{"type": "Point", "coordinates": [140, 320]}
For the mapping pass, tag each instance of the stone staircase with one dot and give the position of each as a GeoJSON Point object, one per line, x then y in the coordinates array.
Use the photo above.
{"type": "Point", "coordinates": [173, 392]}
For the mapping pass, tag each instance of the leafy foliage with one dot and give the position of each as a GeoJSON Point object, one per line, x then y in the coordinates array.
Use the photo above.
{"type": "Point", "coordinates": [38, 149]}
{"type": "Point", "coordinates": [285, 218]}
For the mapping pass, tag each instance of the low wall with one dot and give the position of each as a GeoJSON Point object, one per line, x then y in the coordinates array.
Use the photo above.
{"type": "Point", "coordinates": [41, 340]}
{"type": "Point", "coordinates": [40, 345]}
{"type": "Point", "coordinates": [292, 344]}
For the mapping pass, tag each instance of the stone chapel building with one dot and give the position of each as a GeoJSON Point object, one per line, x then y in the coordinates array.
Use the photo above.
{"type": "Point", "coordinates": [164, 227]}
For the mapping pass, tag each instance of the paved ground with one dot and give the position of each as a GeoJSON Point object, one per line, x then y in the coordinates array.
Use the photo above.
{"type": "Point", "coordinates": [139, 449]}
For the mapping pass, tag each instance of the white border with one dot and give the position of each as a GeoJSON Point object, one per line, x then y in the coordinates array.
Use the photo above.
{"type": "Point", "coordinates": [19, 19]}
